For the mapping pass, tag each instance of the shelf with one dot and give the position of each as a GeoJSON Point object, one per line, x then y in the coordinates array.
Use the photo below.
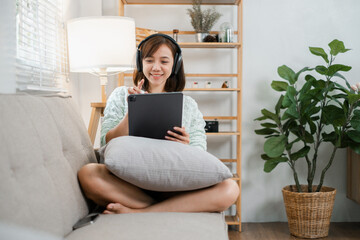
{"type": "Point", "coordinates": [228, 160]}
{"type": "Point", "coordinates": [191, 32]}
{"type": "Point", "coordinates": [236, 177]}
{"type": "Point", "coordinates": [232, 220]}
{"type": "Point", "coordinates": [198, 75]}
{"type": "Point", "coordinates": [209, 45]}
{"type": "Point", "coordinates": [222, 133]}
{"type": "Point", "coordinates": [220, 117]}
{"type": "Point", "coordinates": [181, 2]}
{"type": "Point", "coordinates": [210, 75]}
{"type": "Point", "coordinates": [213, 89]}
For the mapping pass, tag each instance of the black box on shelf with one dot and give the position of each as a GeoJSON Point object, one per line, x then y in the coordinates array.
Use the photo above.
{"type": "Point", "coordinates": [212, 126]}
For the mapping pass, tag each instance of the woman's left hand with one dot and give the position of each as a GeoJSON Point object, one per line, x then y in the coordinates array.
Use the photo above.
{"type": "Point", "coordinates": [182, 136]}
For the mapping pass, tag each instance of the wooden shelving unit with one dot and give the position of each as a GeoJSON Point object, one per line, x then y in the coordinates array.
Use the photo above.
{"type": "Point", "coordinates": [230, 220]}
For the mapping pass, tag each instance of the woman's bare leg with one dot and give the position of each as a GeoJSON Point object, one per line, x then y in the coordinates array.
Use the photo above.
{"type": "Point", "coordinates": [101, 186]}
{"type": "Point", "coordinates": [213, 199]}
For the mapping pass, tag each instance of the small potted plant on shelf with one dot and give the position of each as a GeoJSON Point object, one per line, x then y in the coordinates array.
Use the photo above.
{"type": "Point", "coordinates": [202, 21]}
{"type": "Point", "coordinates": [311, 111]}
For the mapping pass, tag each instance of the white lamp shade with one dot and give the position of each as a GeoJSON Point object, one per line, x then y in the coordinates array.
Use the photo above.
{"type": "Point", "coordinates": [101, 42]}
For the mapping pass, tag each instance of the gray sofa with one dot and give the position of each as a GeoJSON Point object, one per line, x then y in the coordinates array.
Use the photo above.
{"type": "Point", "coordinates": [44, 143]}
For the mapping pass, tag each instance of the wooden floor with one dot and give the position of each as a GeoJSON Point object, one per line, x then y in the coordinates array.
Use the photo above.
{"type": "Point", "coordinates": [280, 231]}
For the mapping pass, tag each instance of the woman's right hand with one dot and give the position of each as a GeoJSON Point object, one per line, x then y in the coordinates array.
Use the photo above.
{"type": "Point", "coordinates": [137, 89]}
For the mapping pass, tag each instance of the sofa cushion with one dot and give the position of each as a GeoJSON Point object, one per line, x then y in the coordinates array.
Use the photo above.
{"type": "Point", "coordinates": [16, 232]}
{"type": "Point", "coordinates": [162, 165]}
{"type": "Point", "coordinates": [159, 226]}
{"type": "Point", "coordinates": [44, 143]}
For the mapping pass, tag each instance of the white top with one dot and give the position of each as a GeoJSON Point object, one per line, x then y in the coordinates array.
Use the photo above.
{"type": "Point", "coordinates": [117, 107]}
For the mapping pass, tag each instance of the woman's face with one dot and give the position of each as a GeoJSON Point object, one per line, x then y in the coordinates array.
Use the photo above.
{"type": "Point", "coordinates": [157, 68]}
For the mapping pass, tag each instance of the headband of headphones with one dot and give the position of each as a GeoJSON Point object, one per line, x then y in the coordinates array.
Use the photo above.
{"type": "Point", "coordinates": [177, 57]}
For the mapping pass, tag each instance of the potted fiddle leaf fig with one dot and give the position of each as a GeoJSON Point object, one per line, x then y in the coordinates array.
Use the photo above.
{"type": "Point", "coordinates": [202, 21]}
{"type": "Point", "coordinates": [320, 108]}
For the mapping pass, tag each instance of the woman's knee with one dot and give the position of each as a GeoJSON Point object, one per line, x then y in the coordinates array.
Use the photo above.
{"type": "Point", "coordinates": [90, 176]}
{"type": "Point", "coordinates": [229, 192]}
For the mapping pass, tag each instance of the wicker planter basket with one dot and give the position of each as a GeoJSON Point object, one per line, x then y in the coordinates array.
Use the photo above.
{"type": "Point", "coordinates": [309, 213]}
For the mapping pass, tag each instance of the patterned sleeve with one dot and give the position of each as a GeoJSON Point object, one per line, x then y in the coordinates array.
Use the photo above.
{"type": "Point", "coordinates": [197, 126]}
{"type": "Point", "coordinates": [114, 112]}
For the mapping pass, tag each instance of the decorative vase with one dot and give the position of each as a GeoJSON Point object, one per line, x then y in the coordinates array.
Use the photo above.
{"type": "Point", "coordinates": [226, 32]}
{"type": "Point", "coordinates": [200, 36]}
{"type": "Point", "coordinates": [309, 213]}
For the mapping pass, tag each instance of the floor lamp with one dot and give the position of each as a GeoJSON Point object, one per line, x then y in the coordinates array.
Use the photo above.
{"type": "Point", "coordinates": [102, 46]}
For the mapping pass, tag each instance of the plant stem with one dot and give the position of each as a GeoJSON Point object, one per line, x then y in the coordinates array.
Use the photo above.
{"type": "Point", "coordinates": [335, 147]}
{"type": "Point", "coordinates": [296, 178]}
{"type": "Point", "coordinates": [318, 134]}
{"type": "Point", "coordinates": [326, 168]}
{"type": "Point", "coordinates": [302, 131]}
{"type": "Point", "coordinates": [291, 162]}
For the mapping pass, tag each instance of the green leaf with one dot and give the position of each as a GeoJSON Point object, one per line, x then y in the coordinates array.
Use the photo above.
{"type": "Point", "coordinates": [275, 146]}
{"type": "Point", "coordinates": [319, 52]}
{"type": "Point", "coordinates": [279, 104]}
{"type": "Point", "coordinates": [265, 157]}
{"type": "Point", "coordinates": [299, 154]}
{"type": "Point", "coordinates": [291, 93]}
{"type": "Point", "coordinates": [354, 135]}
{"type": "Point", "coordinates": [336, 68]}
{"type": "Point", "coordinates": [355, 122]}
{"type": "Point", "coordinates": [269, 125]}
{"type": "Point", "coordinates": [320, 84]}
{"type": "Point", "coordinates": [341, 88]}
{"type": "Point", "coordinates": [292, 111]}
{"type": "Point", "coordinates": [357, 113]}
{"type": "Point", "coordinates": [272, 163]}
{"type": "Point", "coordinates": [353, 97]}
{"type": "Point", "coordinates": [265, 131]}
{"type": "Point", "coordinates": [341, 76]}
{"type": "Point", "coordinates": [329, 137]}
{"type": "Point", "coordinates": [260, 118]}
{"type": "Point", "coordinates": [270, 115]}
{"type": "Point", "coordinates": [286, 101]}
{"type": "Point", "coordinates": [301, 71]}
{"type": "Point", "coordinates": [308, 137]}
{"type": "Point", "coordinates": [287, 73]}
{"type": "Point", "coordinates": [305, 88]}
{"type": "Point", "coordinates": [336, 47]}
{"type": "Point", "coordinates": [308, 77]}
{"type": "Point", "coordinates": [321, 70]}
{"type": "Point", "coordinates": [279, 86]}
{"type": "Point", "coordinates": [291, 123]}
{"type": "Point", "coordinates": [289, 146]}
{"type": "Point", "coordinates": [333, 115]}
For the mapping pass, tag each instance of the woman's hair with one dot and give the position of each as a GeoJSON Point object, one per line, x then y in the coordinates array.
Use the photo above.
{"type": "Point", "coordinates": [175, 83]}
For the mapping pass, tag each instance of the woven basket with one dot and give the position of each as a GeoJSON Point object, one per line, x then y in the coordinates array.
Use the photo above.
{"type": "Point", "coordinates": [309, 213]}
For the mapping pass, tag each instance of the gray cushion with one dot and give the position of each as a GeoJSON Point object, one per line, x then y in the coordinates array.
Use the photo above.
{"type": "Point", "coordinates": [162, 165]}
{"type": "Point", "coordinates": [155, 226]}
{"type": "Point", "coordinates": [44, 143]}
{"type": "Point", "coordinates": [16, 232]}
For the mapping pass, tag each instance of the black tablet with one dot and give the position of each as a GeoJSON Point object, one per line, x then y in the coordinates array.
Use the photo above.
{"type": "Point", "coordinates": [151, 115]}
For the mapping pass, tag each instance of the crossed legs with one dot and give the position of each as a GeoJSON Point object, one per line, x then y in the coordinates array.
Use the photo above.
{"type": "Point", "coordinates": [119, 196]}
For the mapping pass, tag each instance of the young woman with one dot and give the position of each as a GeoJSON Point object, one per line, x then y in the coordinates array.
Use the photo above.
{"type": "Point", "coordinates": [159, 69]}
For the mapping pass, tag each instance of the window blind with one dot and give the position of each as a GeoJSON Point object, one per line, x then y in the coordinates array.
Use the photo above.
{"type": "Point", "coordinates": [41, 52]}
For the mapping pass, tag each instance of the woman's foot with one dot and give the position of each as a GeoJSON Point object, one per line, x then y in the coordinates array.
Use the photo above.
{"type": "Point", "coordinates": [116, 208]}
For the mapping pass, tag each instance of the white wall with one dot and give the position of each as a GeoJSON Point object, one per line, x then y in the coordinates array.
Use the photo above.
{"type": "Point", "coordinates": [275, 32]}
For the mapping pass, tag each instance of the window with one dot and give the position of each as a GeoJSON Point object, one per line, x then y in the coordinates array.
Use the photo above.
{"type": "Point", "coordinates": [41, 52]}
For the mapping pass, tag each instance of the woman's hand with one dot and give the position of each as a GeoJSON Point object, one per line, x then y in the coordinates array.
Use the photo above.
{"type": "Point", "coordinates": [182, 136]}
{"type": "Point", "coordinates": [137, 89]}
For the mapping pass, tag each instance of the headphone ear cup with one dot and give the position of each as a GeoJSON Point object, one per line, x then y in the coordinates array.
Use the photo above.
{"type": "Point", "coordinates": [138, 61]}
{"type": "Point", "coordinates": [178, 62]}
